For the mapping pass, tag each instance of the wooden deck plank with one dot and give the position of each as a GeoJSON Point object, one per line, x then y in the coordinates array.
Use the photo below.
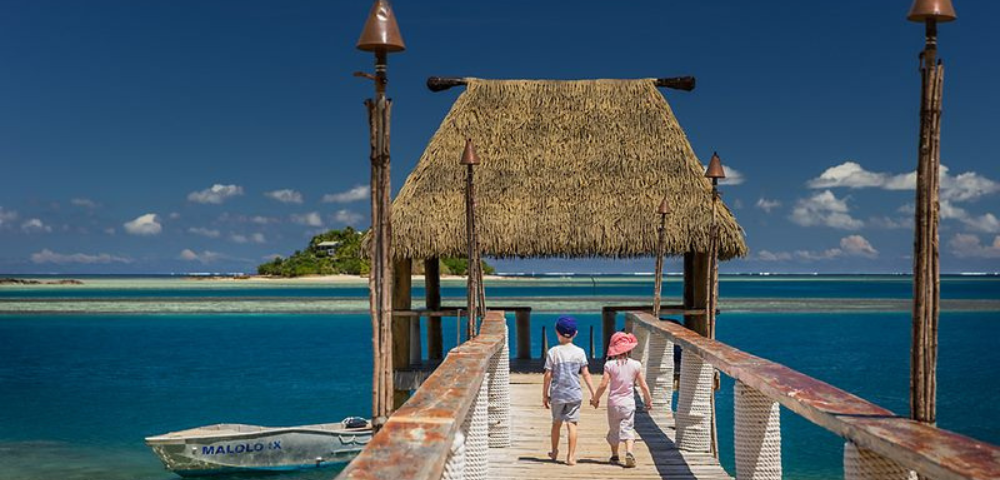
{"type": "Point", "coordinates": [655, 452]}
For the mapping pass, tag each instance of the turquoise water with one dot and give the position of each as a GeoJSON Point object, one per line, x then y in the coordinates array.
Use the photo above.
{"type": "Point", "coordinates": [79, 391]}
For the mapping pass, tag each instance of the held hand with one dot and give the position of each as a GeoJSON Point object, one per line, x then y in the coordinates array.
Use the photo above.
{"type": "Point", "coordinates": [595, 402]}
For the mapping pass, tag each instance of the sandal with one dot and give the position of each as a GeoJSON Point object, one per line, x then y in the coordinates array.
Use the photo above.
{"type": "Point", "coordinates": [629, 460]}
{"type": "Point", "coordinates": [614, 459]}
{"type": "Point", "coordinates": [554, 456]}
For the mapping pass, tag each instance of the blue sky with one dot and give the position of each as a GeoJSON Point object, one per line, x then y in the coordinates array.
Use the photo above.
{"type": "Point", "coordinates": [186, 136]}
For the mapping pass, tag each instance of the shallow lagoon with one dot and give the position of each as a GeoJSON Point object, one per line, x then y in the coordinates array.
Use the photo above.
{"type": "Point", "coordinates": [80, 391]}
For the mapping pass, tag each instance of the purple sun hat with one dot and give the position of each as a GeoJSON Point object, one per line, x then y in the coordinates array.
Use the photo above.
{"type": "Point", "coordinates": [566, 326]}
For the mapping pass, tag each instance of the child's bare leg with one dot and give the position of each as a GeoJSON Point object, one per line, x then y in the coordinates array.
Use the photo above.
{"type": "Point", "coordinates": [628, 446]}
{"type": "Point", "coordinates": [571, 455]}
{"type": "Point", "coordinates": [556, 426]}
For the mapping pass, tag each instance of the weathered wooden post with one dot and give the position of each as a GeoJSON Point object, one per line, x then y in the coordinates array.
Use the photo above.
{"type": "Point", "coordinates": [470, 159]}
{"type": "Point", "coordinates": [663, 210]}
{"type": "Point", "coordinates": [522, 329]}
{"type": "Point", "coordinates": [926, 273]}
{"type": "Point", "coordinates": [659, 361]}
{"type": "Point", "coordinates": [380, 36]}
{"type": "Point", "coordinates": [432, 302]}
{"type": "Point", "coordinates": [714, 172]}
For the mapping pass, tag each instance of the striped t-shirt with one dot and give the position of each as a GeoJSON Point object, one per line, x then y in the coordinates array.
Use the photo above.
{"type": "Point", "coordinates": [565, 361]}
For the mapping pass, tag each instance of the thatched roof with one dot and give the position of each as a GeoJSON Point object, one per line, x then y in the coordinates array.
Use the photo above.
{"type": "Point", "coordinates": [569, 169]}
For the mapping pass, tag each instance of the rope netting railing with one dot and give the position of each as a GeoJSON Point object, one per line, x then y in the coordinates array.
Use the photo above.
{"type": "Point", "coordinates": [879, 444]}
{"type": "Point", "coordinates": [445, 430]}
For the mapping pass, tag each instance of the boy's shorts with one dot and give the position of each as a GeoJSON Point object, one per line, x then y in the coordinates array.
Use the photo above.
{"type": "Point", "coordinates": [565, 412]}
{"type": "Point", "coordinates": [621, 423]}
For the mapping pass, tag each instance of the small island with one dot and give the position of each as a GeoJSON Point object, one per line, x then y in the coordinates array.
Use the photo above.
{"type": "Point", "coordinates": [338, 252]}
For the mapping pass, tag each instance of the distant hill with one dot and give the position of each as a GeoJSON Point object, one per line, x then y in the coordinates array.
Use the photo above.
{"type": "Point", "coordinates": [339, 252]}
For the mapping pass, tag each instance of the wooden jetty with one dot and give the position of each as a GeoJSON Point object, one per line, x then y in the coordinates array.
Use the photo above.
{"type": "Point", "coordinates": [473, 419]}
{"type": "Point", "coordinates": [656, 451]}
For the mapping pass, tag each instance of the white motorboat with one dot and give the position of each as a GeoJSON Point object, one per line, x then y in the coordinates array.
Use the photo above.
{"type": "Point", "coordinates": [233, 447]}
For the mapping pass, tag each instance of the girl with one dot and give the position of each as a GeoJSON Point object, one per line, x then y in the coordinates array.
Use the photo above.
{"type": "Point", "coordinates": [622, 374]}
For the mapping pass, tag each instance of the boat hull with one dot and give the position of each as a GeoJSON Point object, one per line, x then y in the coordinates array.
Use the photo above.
{"type": "Point", "coordinates": [268, 450]}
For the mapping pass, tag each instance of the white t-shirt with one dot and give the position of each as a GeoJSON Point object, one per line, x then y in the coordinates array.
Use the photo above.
{"type": "Point", "coordinates": [566, 362]}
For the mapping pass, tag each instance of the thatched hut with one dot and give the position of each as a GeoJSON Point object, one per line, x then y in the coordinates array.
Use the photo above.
{"type": "Point", "coordinates": [569, 169]}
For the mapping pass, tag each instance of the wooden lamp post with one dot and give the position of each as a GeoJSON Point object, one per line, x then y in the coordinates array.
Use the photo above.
{"type": "Point", "coordinates": [926, 272]}
{"type": "Point", "coordinates": [470, 159]}
{"type": "Point", "coordinates": [715, 172]}
{"type": "Point", "coordinates": [380, 36]}
{"type": "Point", "coordinates": [662, 211]}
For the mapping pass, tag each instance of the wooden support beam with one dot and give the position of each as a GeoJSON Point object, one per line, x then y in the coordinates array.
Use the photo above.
{"type": "Point", "coordinates": [697, 270]}
{"type": "Point", "coordinates": [401, 299]}
{"type": "Point", "coordinates": [607, 327]}
{"type": "Point", "coordinates": [522, 330]}
{"type": "Point", "coordinates": [432, 301]}
{"type": "Point", "coordinates": [439, 84]}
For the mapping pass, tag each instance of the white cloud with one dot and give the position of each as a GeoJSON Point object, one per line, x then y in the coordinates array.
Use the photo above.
{"type": "Point", "coordinates": [84, 202]}
{"type": "Point", "coordinates": [216, 194]}
{"type": "Point", "coordinates": [35, 225]}
{"type": "Point", "coordinates": [203, 257]}
{"type": "Point", "coordinates": [809, 255]}
{"type": "Point", "coordinates": [733, 177]}
{"type": "Point", "coordinates": [7, 216]}
{"type": "Point", "coordinates": [968, 246]}
{"type": "Point", "coordinates": [205, 232]}
{"type": "Point", "coordinates": [147, 224]}
{"type": "Point", "coordinates": [768, 256]}
{"type": "Point", "coordinates": [285, 196]}
{"type": "Point", "coordinates": [857, 246]}
{"type": "Point", "coordinates": [355, 194]}
{"type": "Point", "coordinates": [850, 246]}
{"type": "Point", "coordinates": [767, 205]}
{"type": "Point", "coordinates": [48, 256]}
{"type": "Point", "coordinates": [959, 188]}
{"type": "Point", "coordinates": [986, 223]}
{"type": "Point", "coordinates": [261, 220]}
{"type": "Point", "coordinates": [824, 209]}
{"type": "Point", "coordinates": [312, 219]}
{"type": "Point", "coordinates": [347, 217]}
{"type": "Point", "coordinates": [889, 223]}
{"type": "Point", "coordinates": [966, 186]}
{"type": "Point", "coordinates": [253, 238]}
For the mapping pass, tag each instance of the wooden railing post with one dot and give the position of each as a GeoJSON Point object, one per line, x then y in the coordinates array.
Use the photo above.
{"type": "Point", "coordinates": [499, 396]}
{"type": "Point", "coordinates": [545, 344]}
{"type": "Point", "coordinates": [522, 330]}
{"type": "Point", "coordinates": [862, 464]}
{"type": "Point", "coordinates": [758, 435]}
{"type": "Point", "coordinates": [607, 327]}
{"type": "Point", "coordinates": [694, 404]}
{"type": "Point", "coordinates": [660, 372]}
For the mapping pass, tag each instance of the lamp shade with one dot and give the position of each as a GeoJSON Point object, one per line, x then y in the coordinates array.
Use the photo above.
{"type": "Point", "coordinates": [381, 33]}
{"type": "Point", "coordinates": [715, 170]}
{"type": "Point", "coordinates": [939, 10]}
{"type": "Point", "coordinates": [469, 156]}
{"type": "Point", "coordinates": [664, 207]}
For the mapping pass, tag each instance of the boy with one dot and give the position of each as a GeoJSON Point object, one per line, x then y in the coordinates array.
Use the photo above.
{"type": "Point", "coordinates": [561, 390]}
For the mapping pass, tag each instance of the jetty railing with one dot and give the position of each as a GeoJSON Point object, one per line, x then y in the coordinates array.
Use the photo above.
{"type": "Point", "coordinates": [879, 444]}
{"type": "Point", "coordinates": [446, 428]}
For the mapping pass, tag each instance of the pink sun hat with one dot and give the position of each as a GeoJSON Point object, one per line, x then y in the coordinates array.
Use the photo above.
{"type": "Point", "coordinates": [621, 342]}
